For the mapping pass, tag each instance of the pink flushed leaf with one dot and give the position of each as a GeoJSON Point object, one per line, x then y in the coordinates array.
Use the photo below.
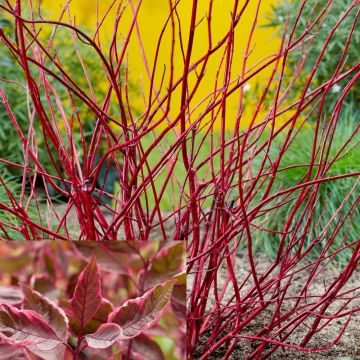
{"type": "Point", "coordinates": [11, 352]}
{"type": "Point", "coordinates": [139, 314]}
{"type": "Point", "coordinates": [110, 256]}
{"type": "Point", "coordinates": [60, 352]}
{"type": "Point", "coordinates": [104, 337]}
{"type": "Point", "coordinates": [178, 297]}
{"type": "Point", "coordinates": [50, 311]}
{"type": "Point", "coordinates": [27, 327]}
{"type": "Point", "coordinates": [10, 295]}
{"type": "Point", "coordinates": [87, 296]}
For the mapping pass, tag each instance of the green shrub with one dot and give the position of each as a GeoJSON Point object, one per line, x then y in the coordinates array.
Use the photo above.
{"type": "Point", "coordinates": [13, 82]}
{"type": "Point", "coordinates": [9, 221]}
{"type": "Point", "coordinates": [294, 165]}
{"type": "Point", "coordinates": [314, 44]}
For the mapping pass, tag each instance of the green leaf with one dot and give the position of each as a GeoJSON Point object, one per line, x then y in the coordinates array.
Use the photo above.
{"type": "Point", "coordinates": [166, 263]}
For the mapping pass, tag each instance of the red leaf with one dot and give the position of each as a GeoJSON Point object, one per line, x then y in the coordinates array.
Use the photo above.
{"type": "Point", "coordinates": [104, 337]}
{"type": "Point", "coordinates": [146, 348]}
{"type": "Point", "coordinates": [27, 327]}
{"type": "Point", "coordinates": [87, 297]}
{"type": "Point", "coordinates": [112, 256]}
{"type": "Point", "coordinates": [50, 311]}
{"type": "Point", "coordinates": [139, 314]}
{"type": "Point", "coordinates": [98, 319]}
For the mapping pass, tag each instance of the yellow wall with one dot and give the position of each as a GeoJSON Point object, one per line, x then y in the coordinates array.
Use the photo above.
{"type": "Point", "coordinates": [152, 17]}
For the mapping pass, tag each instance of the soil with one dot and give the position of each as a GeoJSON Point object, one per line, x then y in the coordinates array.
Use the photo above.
{"type": "Point", "coordinates": [347, 349]}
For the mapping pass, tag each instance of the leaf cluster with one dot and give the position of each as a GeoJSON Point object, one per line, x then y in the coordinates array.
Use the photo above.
{"type": "Point", "coordinates": [89, 300]}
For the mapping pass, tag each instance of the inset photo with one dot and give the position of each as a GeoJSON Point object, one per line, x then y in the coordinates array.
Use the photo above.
{"type": "Point", "coordinates": [89, 300]}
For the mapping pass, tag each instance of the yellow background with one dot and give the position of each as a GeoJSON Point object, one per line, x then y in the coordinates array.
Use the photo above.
{"type": "Point", "coordinates": [151, 19]}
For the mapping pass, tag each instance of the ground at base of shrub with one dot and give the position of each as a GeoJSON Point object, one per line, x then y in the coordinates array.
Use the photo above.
{"type": "Point", "coordinates": [347, 349]}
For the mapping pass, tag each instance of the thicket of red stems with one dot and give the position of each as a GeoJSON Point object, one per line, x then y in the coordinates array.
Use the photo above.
{"type": "Point", "coordinates": [86, 300]}
{"type": "Point", "coordinates": [286, 314]}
